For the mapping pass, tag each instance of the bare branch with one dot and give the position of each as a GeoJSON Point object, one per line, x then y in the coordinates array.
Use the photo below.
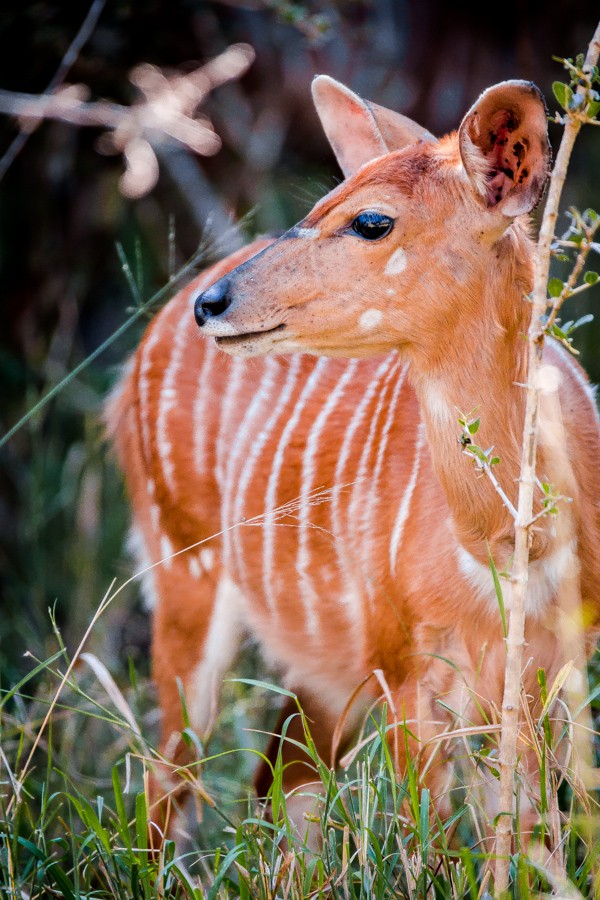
{"type": "Point", "coordinates": [516, 633]}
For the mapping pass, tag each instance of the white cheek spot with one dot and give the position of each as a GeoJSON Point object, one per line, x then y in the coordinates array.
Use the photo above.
{"type": "Point", "coordinates": [308, 233]}
{"type": "Point", "coordinates": [396, 263]}
{"type": "Point", "coordinates": [391, 292]}
{"type": "Point", "coordinates": [207, 558]}
{"type": "Point", "coordinates": [371, 318]}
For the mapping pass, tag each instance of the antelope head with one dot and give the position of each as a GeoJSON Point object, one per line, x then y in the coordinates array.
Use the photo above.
{"type": "Point", "coordinates": [403, 243]}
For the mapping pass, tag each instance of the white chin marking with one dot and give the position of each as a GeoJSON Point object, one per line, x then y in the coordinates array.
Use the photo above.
{"type": "Point", "coordinates": [396, 263]}
{"type": "Point", "coordinates": [371, 318]}
{"type": "Point", "coordinates": [218, 328]}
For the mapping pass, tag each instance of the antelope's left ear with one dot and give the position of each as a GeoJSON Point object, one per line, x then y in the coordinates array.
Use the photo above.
{"type": "Point", "coordinates": [504, 146]}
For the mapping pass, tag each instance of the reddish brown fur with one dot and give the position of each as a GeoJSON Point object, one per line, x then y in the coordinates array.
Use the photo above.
{"type": "Point", "coordinates": [458, 320]}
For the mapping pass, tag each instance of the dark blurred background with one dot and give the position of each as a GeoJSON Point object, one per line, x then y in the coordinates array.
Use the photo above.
{"type": "Point", "coordinates": [62, 512]}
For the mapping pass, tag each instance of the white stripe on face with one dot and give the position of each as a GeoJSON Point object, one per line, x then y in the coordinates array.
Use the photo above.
{"type": "Point", "coordinates": [307, 233]}
{"type": "Point", "coordinates": [396, 263]}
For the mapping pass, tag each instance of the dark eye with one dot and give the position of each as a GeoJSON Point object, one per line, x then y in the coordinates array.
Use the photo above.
{"type": "Point", "coordinates": [372, 225]}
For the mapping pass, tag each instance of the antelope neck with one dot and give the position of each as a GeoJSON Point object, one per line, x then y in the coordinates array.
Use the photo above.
{"type": "Point", "coordinates": [477, 375]}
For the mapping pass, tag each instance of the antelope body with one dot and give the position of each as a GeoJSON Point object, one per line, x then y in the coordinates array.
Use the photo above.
{"type": "Point", "coordinates": [352, 533]}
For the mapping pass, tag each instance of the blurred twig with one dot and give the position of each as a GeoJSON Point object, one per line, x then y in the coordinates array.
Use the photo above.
{"type": "Point", "coordinates": [73, 51]}
{"type": "Point", "coordinates": [166, 112]}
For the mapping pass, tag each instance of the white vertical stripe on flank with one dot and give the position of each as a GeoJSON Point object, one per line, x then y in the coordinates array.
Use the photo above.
{"type": "Point", "coordinates": [168, 400]}
{"type": "Point", "coordinates": [256, 449]}
{"type": "Point", "coordinates": [200, 431]}
{"type": "Point", "coordinates": [271, 495]}
{"type": "Point", "coordinates": [145, 369]}
{"type": "Point", "coordinates": [236, 373]}
{"type": "Point", "coordinates": [355, 422]}
{"type": "Point", "coordinates": [219, 648]}
{"type": "Point", "coordinates": [403, 509]}
{"type": "Point", "coordinates": [368, 519]}
{"type": "Point", "coordinates": [307, 591]}
{"type": "Point", "coordinates": [352, 597]}
{"type": "Point", "coordinates": [235, 448]}
{"type": "Point", "coordinates": [361, 472]}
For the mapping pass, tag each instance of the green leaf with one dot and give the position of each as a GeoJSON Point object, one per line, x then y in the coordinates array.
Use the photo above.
{"type": "Point", "coordinates": [593, 109]}
{"type": "Point", "coordinates": [474, 426]}
{"type": "Point", "coordinates": [477, 452]}
{"type": "Point", "coordinates": [563, 94]}
{"type": "Point", "coordinates": [498, 589]}
{"type": "Point", "coordinates": [141, 821]}
{"type": "Point", "coordinates": [591, 277]}
{"type": "Point", "coordinates": [555, 287]}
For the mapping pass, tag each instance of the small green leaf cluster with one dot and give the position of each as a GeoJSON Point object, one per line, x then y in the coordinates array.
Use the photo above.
{"type": "Point", "coordinates": [564, 332]}
{"type": "Point", "coordinates": [470, 427]}
{"type": "Point", "coordinates": [550, 498]}
{"type": "Point", "coordinates": [572, 99]}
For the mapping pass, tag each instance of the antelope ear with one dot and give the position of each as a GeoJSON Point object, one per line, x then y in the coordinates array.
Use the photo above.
{"type": "Point", "coordinates": [358, 130]}
{"type": "Point", "coordinates": [504, 146]}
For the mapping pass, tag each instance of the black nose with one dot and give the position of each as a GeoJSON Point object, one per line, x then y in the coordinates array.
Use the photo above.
{"type": "Point", "coordinates": [212, 302]}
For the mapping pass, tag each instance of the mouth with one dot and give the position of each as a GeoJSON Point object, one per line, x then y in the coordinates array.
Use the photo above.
{"type": "Point", "coordinates": [229, 342]}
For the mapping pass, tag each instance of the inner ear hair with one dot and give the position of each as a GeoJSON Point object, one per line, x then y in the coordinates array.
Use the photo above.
{"type": "Point", "coordinates": [504, 145]}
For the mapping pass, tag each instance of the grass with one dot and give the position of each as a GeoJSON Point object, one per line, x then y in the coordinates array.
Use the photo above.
{"type": "Point", "coordinates": [73, 819]}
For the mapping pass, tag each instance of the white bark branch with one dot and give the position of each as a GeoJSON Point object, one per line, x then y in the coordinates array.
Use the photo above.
{"type": "Point", "coordinates": [516, 631]}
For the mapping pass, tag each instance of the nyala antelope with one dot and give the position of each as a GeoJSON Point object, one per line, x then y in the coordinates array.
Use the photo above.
{"type": "Point", "coordinates": [330, 423]}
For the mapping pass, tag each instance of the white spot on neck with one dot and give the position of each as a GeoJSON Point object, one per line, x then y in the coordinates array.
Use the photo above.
{"type": "Point", "coordinates": [396, 263]}
{"type": "Point", "coordinates": [434, 403]}
{"type": "Point", "coordinates": [371, 318]}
